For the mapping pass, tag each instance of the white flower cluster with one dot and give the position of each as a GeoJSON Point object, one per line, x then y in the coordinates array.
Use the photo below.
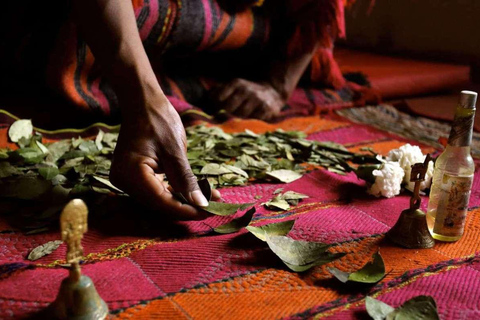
{"type": "Point", "coordinates": [397, 168]}
{"type": "Point", "coordinates": [388, 180]}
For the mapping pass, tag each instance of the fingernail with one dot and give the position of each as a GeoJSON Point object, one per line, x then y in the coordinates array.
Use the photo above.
{"type": "Point", "coordinates": [199, 199]}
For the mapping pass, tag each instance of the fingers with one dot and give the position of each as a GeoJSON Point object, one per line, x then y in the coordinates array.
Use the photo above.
{"type": "Point", "coordinates": [225, 92]}
{"type": "Point", "coordinates": [149, 188]}
{"type": "Point", "coordinates": [247, 108]}
{"type": "Point", "coordinates": [182, 179]}
{"type": "Point", "coordinates": [216, 195]}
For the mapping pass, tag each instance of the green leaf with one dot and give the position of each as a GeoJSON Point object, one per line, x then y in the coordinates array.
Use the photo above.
{"type": "Point", "coordinates": [215, 169]}
{"type": "Point", "coordinates": [42, 147]}
{"type": "Point", "coordinates": [236, 224]}
{"type": "Point", "coordinates": [326, 258]}
{"type": "Point", "coordinates": [107, 183]}
{"type": "Point", "coordinates": [277, 191]}
{"type": "Point", "coordinates": [225, 209]}
{"type": "Point", "coordinates": [20, 129]}
{"type": "Point", "coordinates": [292, 195]}
{"type": "Point", "coordinates": [28, 155]}
{"type": "Point", "coordinates": [419, 308]}
{"type": "Point", "coordinates": [272, 229]}
{"type": "Point", "coordinates": [277, 203]}
{"type": "Point", "coordinates": [59, 148]}
{"type": "Point", "coordinates": [4, 153]}
{"type": "Point", "coordinates": [98, 140]}
{"type": "Point", "coordinates": [26, 187]}
{"type": "Point", "coordinates": [296, 252]}
{"type": "Point", "coordinates": [372, 272]}
{"type": "Point", "coordinates": [88, 147]}
{"type": "Point", "coordinates": [44, 249]}
{"type": "Point", "coordinates": [284, 175]}
{"type": "Point", "coordinates": [48, 172]}
{"type": "Point", "coordinates": [377, 309]}
{"type": "Point", "coordinates": [7, 170]}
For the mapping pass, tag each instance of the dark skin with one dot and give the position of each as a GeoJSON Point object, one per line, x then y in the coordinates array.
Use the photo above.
{"type": "Point", "coordinates": [152, 137]}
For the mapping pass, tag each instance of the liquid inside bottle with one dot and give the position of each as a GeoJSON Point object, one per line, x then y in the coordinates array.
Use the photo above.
{"type": "Point", "coordinates": [450, 193]}
{"type": "Point", "coordinates": [453, 176]}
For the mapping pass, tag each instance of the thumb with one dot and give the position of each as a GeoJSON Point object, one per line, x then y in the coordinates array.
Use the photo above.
{"type": "Point", "coordinates": [182, 179]}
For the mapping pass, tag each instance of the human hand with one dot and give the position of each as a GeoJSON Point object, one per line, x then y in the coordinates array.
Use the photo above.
{"type": "Point", "coordinates": [248, 99]}
{"type": "Point", "coordinates": [152, 142]}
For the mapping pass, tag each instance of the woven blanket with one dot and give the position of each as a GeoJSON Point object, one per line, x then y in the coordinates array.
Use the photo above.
{"type": "Point", "coordinates": [153, 270]}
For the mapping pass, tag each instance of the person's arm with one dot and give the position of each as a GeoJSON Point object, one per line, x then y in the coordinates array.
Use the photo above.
{"type": "Point", "coordinates": [152, 137]}
{"type": "Point", "coordinates": [264, 100]}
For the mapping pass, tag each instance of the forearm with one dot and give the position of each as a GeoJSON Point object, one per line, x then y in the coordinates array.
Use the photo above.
{"type": "Point", "coordinates": [285, 72]}
{"type": "Point", "coordinates": [109, 28]}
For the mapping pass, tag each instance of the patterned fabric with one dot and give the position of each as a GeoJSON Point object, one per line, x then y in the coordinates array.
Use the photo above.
{"type": "Point", "coordinates": [148, 269]}
{"type": "Point", "coordinates": [187, 34]}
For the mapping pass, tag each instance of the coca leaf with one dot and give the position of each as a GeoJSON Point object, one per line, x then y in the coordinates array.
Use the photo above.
{"type": "Point", "coordinates": [296, 252]}
{"type": "Point", "coordinates": [44, 249]}
{"type": "Point", "coordinates": [20, 129]}
{"type": "Point", "coordinates": [272, 229]}
{"type": "Point", "coordinates": [285, 176]}
{"type": "Point", "coordinates": [371, 273]}
{"type": "Point", "coordinates": [236, 224]}
{"type": "Point", "coordinates": [225, 209]}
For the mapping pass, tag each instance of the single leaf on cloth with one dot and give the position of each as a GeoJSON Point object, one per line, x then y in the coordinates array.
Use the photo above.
{"type": "Point", "coordinates": [272, 229]}
{"type": "Point", "coordinates": [277, 203]}
{"type": "Point", "coordinates": [293, 197]}
{"type": "Point", "coordinates": [418, 308]}
{"type": "Point", "coordinates": [277, 191]}
{"type": "Point", "coordinates": [284, 175]}
{"type": "Point", "coordinates": [48, 172]}
{"type": "Point", "coordinates": [296, 252]}
{"type": "Point", "coordinates": [236, 224]}
{"type": "Point", "coordinates": [377, 309]}
{"type": "Point", "coordinates": [372, 272]}
{"type": "Point", "coordinates": [44, 249]}
{"type": "Point", "coordinates": [107, 183]}
{"type": "Point", "coordinates": [225, 209]}
{"type": "Point", "coordinates": [326, 258]}
{"type": "Point", "coordinates": [20, 129]}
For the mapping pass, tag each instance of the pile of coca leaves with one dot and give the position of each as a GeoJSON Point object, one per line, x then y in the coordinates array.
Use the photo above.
{"type": "Point", "coordinates": [81, 166]}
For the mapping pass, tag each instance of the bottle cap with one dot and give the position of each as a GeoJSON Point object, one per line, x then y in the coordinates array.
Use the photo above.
{"type": "Point", "coordinates": [468, 99]}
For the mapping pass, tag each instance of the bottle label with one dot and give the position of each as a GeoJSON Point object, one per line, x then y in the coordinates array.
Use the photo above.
{"type": "Point", "coordinates": [452, 205]}
{"type": "Point", "coordinates": [461, 132]}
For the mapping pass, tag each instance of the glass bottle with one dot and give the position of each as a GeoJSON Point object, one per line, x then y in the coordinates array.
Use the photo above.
{"type": "Point", "coordinates": [453, 176]}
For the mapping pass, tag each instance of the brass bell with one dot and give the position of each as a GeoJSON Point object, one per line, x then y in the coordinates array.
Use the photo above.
{"type": "Point", "coordinates": [411, 230]}
{"type": "Point", "coordinates": [77, 299]}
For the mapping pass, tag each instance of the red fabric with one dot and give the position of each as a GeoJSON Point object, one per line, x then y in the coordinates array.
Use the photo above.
{"type": "Point", "coordinates": [399, 77]}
